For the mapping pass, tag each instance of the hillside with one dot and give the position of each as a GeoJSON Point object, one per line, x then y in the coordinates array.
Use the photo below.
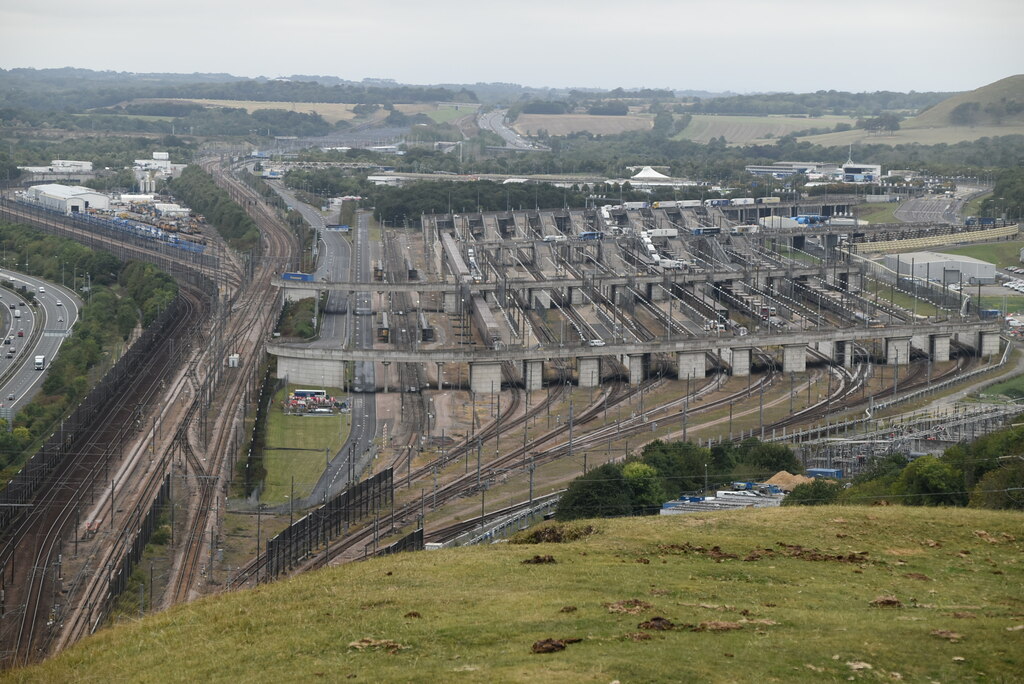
{"type": "Point", "coordinates": [993, 110]}
{"type": "Point", "coordinates": [876, 593]}
{"type": "Point", "coordinates": [1002, 92]}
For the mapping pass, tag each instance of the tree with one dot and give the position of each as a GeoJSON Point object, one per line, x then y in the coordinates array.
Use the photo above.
{"type": "Point", "coordinates": [1002, 488]}
{"type": "Point", "coordinates": [603, 492]}
{"type": "Point", "coordinates": [965, 114]}
{"type": "Point", "coordinates": [820, 492]}
{"type": "Point", "coordinates": [928, 481]}
{"type": "Point", "coordinates": [644, 486]}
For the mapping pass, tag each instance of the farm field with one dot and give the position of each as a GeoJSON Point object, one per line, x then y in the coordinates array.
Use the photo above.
{"type": "Point", "coordinates": [748, 130]}
{"type": "Point", "coordinates": [331, 112]}
{"type": "Point", "coordinates": [563, 124]}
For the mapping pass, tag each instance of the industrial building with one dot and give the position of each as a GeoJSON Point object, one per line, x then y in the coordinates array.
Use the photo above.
{"type": "Point", "coordinates": [68, 199]}
{"type": "Point", "coordinates": [942, 268]}
{"type": "Point", "coordinates": [861, 173]}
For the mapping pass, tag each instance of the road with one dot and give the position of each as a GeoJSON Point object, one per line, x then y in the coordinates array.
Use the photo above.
{"type": "Point", "coordinates": [930, 209]}
{"type": "Point", "coordinates": [23, 381]}
{"type": "Point", "coordinates": [340, 327]}
{"type": "Point", "coordinates": [494, 121]}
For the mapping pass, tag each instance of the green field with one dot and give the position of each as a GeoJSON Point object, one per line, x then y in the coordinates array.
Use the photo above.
{"type": "Point", "coordinates": [973, 208]}
{"type": "Point", "coordinates": [305, 439]}
{"type": "Point", "coordinates": [759, 595]}
{"type": "Point", "coordinates": [878, 213]}
{"type": "Point", "coordinates": [445, 114]}
{"type": "Point", "coordinates": [1002, 254]}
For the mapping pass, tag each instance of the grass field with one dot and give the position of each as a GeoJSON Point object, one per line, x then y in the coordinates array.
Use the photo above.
{"type": "Point", "coordinates": [311, 436]}
{"type": "Point", "coordinates": [878, 213]}
{"type": "Point", "coordinates": [563, 124]}
{"type": "Point", "coordinates": [1012, 388]}
{"type": "Point", "coordinates": [440, 112]}
{"type": "Point", "coordinates": [949, 135]}
{"type": "Point", "coordinates": [751, 129]}
{"type": "Point", "coordinates": [973, 208]}
{"type": "Point", "coordinates": [804, 594]}
{"type": "Point", "coordinates": [1001, 254]}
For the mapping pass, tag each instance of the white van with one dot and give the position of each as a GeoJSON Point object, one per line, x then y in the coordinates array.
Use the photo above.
{"type": "Point", "coordinates": [41, 289]}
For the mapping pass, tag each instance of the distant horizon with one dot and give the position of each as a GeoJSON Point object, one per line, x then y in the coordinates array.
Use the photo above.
{"type": "Point", "coordinates": [469, 85]}
{"type": "Point", "coordinates": [737, 46]}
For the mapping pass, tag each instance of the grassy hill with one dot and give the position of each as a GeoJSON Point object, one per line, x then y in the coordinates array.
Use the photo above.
{"type": "Point", "coordinates": [936, 125]}
{"type": "Point", "coordinates": [1008, 89]}
{"type": "Point", "coordinates": [874, 593]}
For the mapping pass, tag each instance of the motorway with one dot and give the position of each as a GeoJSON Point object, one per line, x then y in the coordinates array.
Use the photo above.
{"type": "Point", "coordinates": [494, 121]}
{"type": "Point", "coordinates": [19, 380]}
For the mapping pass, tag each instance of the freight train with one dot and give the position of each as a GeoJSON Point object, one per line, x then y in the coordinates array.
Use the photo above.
{"type": "Point", "coordinates": [129, 227]}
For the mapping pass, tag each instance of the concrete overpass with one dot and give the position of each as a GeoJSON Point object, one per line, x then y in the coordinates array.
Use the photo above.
{"type": "Point", "coordinates": [306, 365]}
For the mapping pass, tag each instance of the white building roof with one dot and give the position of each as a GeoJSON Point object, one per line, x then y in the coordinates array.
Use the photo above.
{"type": "Point", "coordinates": [63, 191]}
{"type": "Point", "coordinates": [647, 173]}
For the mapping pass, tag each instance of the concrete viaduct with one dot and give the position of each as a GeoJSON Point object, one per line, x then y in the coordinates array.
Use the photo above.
{"type": "Point", "coordinates": [306, 365]}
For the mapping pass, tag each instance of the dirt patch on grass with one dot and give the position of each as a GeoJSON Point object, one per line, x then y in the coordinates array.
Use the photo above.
{"type": "Point", "coordinates": [886, 602]}
{"type": "Point", "coordinates": [377, 645]}
{"type": "Point", "coordinates": [540, 560]}
{"type": "Point", "coordinates": [555, 533]}
{"type": "Point", "coordinates": [657, 624]}
{"type": "Point", "coordinates": [553, 645]}
{"type": "Point", "coordinates": [628, 606]}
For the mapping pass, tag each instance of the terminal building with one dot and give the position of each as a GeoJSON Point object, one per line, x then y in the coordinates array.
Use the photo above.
{"type": "Point", "coordinates": [942, 268]}
{"type": "Point", "coordinates": [67, 199]}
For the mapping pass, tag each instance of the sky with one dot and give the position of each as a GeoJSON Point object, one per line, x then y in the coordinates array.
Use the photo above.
{"type": "Point", "coordinates": [724, 45]}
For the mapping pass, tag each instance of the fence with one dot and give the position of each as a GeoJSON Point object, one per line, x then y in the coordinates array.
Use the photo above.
{"type": "Point", "coordinates": [52, 455]}
{"type": "Point", "coordinates": [410, 542]}
{"type": "Point", "coordinates": [318, 527]}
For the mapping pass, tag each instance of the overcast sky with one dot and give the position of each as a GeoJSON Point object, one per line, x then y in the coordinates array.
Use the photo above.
{"type": "Point", "coordinates": [736, 45]}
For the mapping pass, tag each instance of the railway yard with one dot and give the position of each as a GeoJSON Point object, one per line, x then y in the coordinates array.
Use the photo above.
{"type": "Point", "coordinates": [498, 355]}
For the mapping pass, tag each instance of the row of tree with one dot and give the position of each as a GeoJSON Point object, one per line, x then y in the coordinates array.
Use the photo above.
{"type": "Point", "coordinates": [121, 296]}
{"type": "Point", "coordinates": [196, 189]}
{"type": "Point", "coordinates": [664, 470]}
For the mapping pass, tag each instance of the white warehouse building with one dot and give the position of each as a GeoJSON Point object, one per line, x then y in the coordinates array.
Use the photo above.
{"type": "Point", "coordinates": [68, 199]}
{"type": "Point", "coordinates": [942, 268]}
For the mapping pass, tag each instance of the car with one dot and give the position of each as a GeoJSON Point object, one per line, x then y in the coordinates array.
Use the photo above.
{"type": "Point", "coordinates": [12, 305]}
{"type": "Point", "coordinates": [60, 303]}
{"type": "Point", "coordinates": [596, 343]}
{"type": "Point", "coordinates": [21, 333]}
{"type": "Point", "coordinates": [7, 340]}
{"type": "Point", "coordinates": [10, 397]}
{"type": "Point", "coordinates": [60, 320]}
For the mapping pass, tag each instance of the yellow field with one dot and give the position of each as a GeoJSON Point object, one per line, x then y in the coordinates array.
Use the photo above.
{"type": "Point", "coordinates": [330, 111]}
{"type": "Point", "coordinates": [563, 124]}
{"type": "Point", "coordinates": [748, 130]}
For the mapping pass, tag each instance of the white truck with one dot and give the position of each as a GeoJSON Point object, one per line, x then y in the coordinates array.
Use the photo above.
{"type": "Point", "coordinates": [40, 362]}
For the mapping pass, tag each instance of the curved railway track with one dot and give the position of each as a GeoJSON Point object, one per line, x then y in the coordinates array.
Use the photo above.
{"type": "Point", "coordinates": [34, 545]}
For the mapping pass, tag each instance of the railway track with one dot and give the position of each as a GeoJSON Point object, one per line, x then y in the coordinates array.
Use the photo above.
{"type": "Point", "coordinates": [33, 548]}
